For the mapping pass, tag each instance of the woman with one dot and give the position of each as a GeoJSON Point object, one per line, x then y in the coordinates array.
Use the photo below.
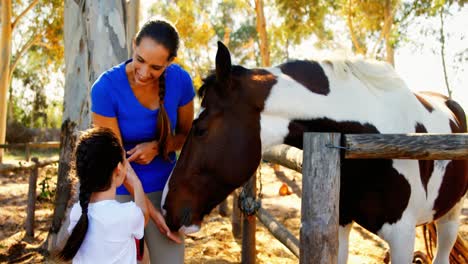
{"type": "Point", "coordinates": [148, 103]}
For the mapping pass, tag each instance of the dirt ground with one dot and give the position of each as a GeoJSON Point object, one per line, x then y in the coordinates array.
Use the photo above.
{"type": "Point", "coordinates": [214, 244]}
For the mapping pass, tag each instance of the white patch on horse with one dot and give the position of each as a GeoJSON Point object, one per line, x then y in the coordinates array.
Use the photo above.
{"type": "Point", "coordinates": [199, 112]}
{"type": "Point", "coordinates": [421, 203]}
{"type": "Point", "coordinates": [400, 236]}
{"type": "Point", "coordinates": [437, 121]}
{"type": "Point", "coordinates": [435, 182]}
{"type": "Point", "coordinates": [343, 244]}
{"type": "Point", "coordinates": [164, 194]}
{"type": "Point", "coordinates": [273, 130]}
{"type": "Point", "coordinates": [376, 75]}
{"type": "Point", "coordinates": [189, 229]}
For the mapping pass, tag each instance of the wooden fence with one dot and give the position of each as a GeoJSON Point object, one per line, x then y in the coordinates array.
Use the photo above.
{"type": "Point", "coordinates": [319, 164]}
{"type": "Point", "coordinates": [33, 167]}
{"type": "Point", "coordinates": [32, 145]}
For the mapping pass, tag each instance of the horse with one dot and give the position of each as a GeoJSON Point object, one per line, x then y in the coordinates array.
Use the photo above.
{"type": "Point", "coordinates": [246, 111]}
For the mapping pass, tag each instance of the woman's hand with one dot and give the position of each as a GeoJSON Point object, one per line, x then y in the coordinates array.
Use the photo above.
{"type": "Point", "coordinates": [143, 153]}
{"type": "Point", "coordinates": [160, 223]}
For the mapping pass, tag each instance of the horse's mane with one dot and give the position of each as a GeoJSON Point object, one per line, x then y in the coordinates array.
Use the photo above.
{"type": "Point", "coordinates": [375, 74]}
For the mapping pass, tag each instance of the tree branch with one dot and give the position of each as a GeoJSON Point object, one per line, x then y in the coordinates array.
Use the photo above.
{"type": "Point", "coordinates": [43, 44]}
{"type": "Point", "coordinates": [351, 31]}
{"type": "Point", "coordinates": [442, 51]}
{"type": "Point", "coordinates": [21, 15]}
{"type": "Point", "coordinates": [384, 32]}
{"type": "Point", "coordinates": [20, 53]}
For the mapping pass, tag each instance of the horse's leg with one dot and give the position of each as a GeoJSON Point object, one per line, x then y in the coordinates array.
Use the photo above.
{"type": "Point", "coordinates": [447, 229]}
{"type": "Point", "coordinates": [343, 236]}
{"type": "Point", "coordinates": [400, 237]}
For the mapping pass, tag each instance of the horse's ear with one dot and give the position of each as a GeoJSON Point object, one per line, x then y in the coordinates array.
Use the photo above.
{"type": "Point", "coordinates": [223, 63]}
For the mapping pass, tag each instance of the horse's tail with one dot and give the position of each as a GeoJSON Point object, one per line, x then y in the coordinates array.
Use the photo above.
{"type": "Point", "coordinates": [459, 113]}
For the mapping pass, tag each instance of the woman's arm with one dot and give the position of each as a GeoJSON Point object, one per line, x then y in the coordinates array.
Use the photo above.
{"type": "Point", "coordinates": [109, 122]}
{"type": "Point", "coordinates": [184, 123]}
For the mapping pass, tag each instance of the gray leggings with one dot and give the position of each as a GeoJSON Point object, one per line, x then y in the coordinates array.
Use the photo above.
{"type": "Point", "coordinates": [161, 249]}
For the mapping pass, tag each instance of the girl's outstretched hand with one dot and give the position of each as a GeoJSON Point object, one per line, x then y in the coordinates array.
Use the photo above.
{"type": "Point", "coordinates": [131, 176]}
{"type": "Point", "coordinates": [159, 221]}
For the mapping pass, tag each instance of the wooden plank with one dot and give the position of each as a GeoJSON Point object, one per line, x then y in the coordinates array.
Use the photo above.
{"type": "Point", "coordinates": [320, 199]}
{"type": "Point", "coordinates": [26, 165]}
{"type": "Point", "coordinates": [48, 144]}
{"type": "Point", "coordinates": [409, 146]}
{"type": "Point", "coordinates": [279, 231]}
{"type": "Point", "coordinates": [284, 155]}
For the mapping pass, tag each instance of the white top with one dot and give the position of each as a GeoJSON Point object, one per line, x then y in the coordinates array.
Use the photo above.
{"type": "Point", "coordinates": [111, 234]}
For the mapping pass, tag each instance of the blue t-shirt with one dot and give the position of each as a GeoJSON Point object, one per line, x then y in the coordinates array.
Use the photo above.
{"type": "Point", "coordinates": [112, 96]}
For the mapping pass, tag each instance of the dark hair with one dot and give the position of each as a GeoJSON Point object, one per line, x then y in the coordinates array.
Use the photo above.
{"type": "Point", "coordinates": [97, 153]}
{"type": "Point", "coordinates": [163, 33]}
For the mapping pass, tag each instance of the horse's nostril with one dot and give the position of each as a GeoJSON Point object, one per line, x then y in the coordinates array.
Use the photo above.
{"type": "Point", "coordinates": [186, 217]}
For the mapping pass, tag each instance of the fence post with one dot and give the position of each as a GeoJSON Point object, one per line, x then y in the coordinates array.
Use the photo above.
{"type": "Point", "coordinates": [32, 199]}
{"type": "Point", "coordinates": [249, 226]}
{"type": "Point", "coordinates": [27, 151]}
{"type": "Point", "coordinates": [320, 199]}
{"type": "Point", "coordinates": [236, 215]}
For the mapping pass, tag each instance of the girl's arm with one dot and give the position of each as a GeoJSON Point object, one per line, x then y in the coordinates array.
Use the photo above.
{"type": "Point", "coordinates": [156, 216]}
{"type": "Point", "coordinates": [138, 193]}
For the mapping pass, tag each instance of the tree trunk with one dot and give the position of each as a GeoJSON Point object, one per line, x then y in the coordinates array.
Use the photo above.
{"type": "Point", "coordinates": [5, 54]}
{"type": "Point", "coordinates": [262, 32]}
{"type": "Point", "coordinates": [442, 51]}
{"type": "Point", "coordinates": [359, 48]}
{"type": "Point", "coordinates": [95, 40]}
{"type": "Point", "coordinates": [388, 22]}
{"type": "Point", "coordinates": [133, 16]}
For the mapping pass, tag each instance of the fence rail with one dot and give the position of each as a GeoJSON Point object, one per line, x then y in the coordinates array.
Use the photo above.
{"type": "Point", "coordinates": [31, 145]}
{"type": "Point", "coordinates": [411, 146]}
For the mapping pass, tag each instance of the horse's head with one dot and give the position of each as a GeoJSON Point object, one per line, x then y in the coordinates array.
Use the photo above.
{"type": "Point", "coordinates": [223, 148]}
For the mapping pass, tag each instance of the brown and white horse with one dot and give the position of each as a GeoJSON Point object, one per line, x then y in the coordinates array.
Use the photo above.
{"type": "Point", "coordinates": [245, 111]}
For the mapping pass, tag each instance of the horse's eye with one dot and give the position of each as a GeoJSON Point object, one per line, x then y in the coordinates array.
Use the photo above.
{"type": "Point", "coordinates": [199, 132]}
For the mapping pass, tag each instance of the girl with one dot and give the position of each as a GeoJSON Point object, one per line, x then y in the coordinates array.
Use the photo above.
{"type": "Point", "coordinates": [102, 229]}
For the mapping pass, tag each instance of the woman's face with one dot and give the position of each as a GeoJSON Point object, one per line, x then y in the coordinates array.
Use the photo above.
{"type": "Point", "coordinates": [150, 59]}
